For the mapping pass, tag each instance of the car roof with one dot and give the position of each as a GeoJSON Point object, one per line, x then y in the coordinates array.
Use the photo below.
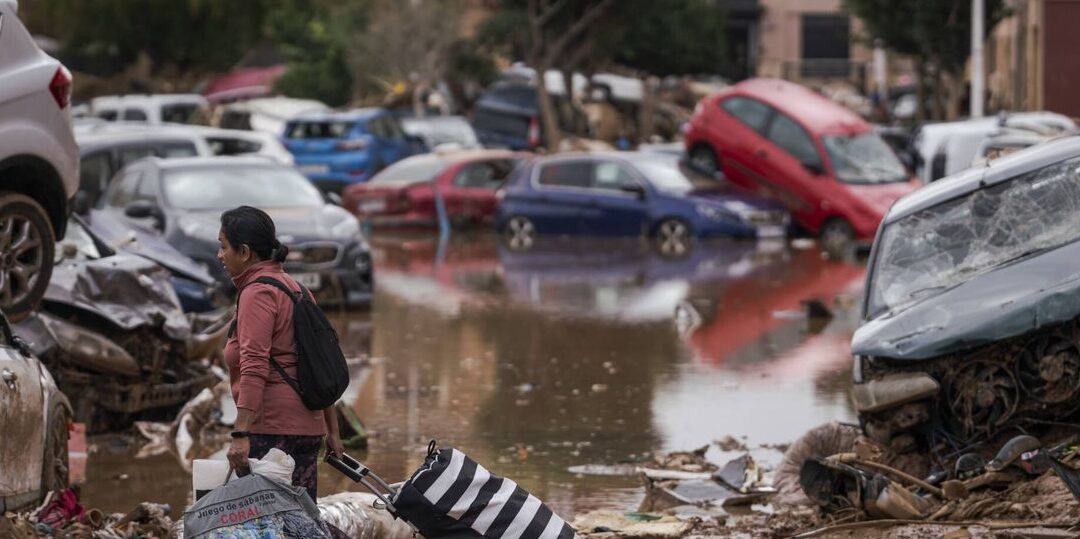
{"type": "Point", "coordinates": [816, 112]}
{"type": "Point", "coordinates": [997, 171]}
{"type": "Point", "coordinates": [355, 115]}
{"type": "Point", "coordinates": [175, 163]}
{"type": "Point", "coordinates": [110, 132]}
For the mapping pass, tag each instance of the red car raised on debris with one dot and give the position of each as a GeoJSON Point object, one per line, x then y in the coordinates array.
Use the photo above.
{"type": "Point", "coordinates": [837, 177]}
{"type": "Point", "coordinates": [403, 194]}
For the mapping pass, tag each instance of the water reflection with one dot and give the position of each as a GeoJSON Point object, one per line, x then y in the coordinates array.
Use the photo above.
{"type": "Point", "coordinates": [586, 353]}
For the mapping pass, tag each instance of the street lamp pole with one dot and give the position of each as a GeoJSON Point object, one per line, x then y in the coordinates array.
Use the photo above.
{"type": "Point", "coordinates": [978, 74]}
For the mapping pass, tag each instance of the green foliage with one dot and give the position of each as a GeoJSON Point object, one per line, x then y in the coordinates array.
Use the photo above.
{"type": "Point", "coordinates": [937, 30]}
{"type": "Point", "coordinates": [313, 38]}
{"type": "Point", "coordinates": [672, 37]}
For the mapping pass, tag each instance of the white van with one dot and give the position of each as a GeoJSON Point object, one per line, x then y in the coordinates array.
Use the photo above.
{"type": "Point", "coordinates": [153, 109]}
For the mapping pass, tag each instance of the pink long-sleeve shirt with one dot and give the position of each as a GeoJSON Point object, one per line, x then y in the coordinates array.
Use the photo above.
{"type": "Point", "coordinates": [265, 327]}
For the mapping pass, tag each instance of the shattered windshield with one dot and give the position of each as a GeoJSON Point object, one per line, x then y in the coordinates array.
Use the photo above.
{"type": "Point", "coordinates": [948, 244]}
{"type": "Point", "coordinates": [863, 158]}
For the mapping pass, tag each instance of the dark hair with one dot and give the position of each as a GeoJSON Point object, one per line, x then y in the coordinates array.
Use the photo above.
{"type": "Point", "coordinates": [253, 227]}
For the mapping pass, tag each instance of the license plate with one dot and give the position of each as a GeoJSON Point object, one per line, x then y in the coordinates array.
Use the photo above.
{"type": "Point", "coordinates": [313, 169]}
{"type": "Point", "coordinates": [372, 206]}
{"type": "Point", "coordinates": [771, 231]}
{"type": "Point", "coordinates": [311, 281]}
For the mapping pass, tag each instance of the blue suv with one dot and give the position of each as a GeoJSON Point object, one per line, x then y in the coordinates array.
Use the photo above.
{"type": "Point", "coordinates": [335, 149]}
{"type": "Point", "coordinates": [629, 194]}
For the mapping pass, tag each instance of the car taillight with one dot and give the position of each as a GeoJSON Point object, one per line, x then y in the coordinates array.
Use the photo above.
{"type": "Point", "coordinates": [349, 145]}
{"type": "Point", "coordinates": [60, 87]}
{"type": "Point", "coordinates": [534, 132]}
{"type": "Point", "coordinates": [404, 202]}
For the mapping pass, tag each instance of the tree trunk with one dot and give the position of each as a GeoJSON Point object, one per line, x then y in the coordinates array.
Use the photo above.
{"type": "Point", "coordinates": [647, 119]}
{"type": "Point", "coordinates": [920, 90]}
{"type": "Point", "coordinates": [548, 117]}
{"type": "Point", "coordinates": [939, 91]}
{"type": "Point", "coordinates": [954, 96]}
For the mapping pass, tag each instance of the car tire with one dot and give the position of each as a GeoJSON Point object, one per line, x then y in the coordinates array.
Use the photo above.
{"type": "Point", "coordinates": [27, 245]}
{"type": "Point", "coordinates": [673, 238]}
{"type": "Point", "coordinates": [54, 463]}
{"type": "Point", "coordinates": [837, 238]}
{"type": "Point", "coordinates": [519, 233]}
{"type": "Point", "coordinates": [704, 158]}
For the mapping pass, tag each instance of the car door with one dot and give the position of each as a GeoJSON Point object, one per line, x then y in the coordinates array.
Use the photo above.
{"type": "Point", "coordinates": [22, 409]}
{"type": "Point", "coordinates": [471, 194]}
{"type": "Point", "coordinates": [616, 205]}
{"type": "Point", "coordinates": [793, 162]}
{"type": "Point", "coordinates": [739, 138]}
{"type": "Point", "coordinates": [561, 195]}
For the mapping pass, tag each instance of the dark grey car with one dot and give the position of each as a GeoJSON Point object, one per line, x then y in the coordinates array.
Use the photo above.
{"type": "Point", "coordinates": [971, 320]}
{"type": "Point", "coordinates": [183, 199]}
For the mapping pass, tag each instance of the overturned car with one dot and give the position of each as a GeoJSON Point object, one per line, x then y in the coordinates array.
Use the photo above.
{"type": "Point", "coordinates": [971, 318]}
{"type": "Point", "coordinates": [112, 332]}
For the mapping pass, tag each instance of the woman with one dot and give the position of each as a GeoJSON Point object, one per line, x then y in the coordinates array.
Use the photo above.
{"type": "Point", "coordinates": [270, 413]}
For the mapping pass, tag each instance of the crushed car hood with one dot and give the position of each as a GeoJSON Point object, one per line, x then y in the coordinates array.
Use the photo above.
{"type": "Point", "coordinates": [120, 235]}
{"type": "Point", "coordinates": [1009, 301]}
{"type": "Point", "coordinates": [127, 290]}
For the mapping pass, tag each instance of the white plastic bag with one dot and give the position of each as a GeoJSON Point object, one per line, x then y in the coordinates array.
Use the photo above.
{"type": "Point", "coordinates": [208, 474]}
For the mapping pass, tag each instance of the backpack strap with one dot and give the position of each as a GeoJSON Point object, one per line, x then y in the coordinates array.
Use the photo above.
{"type": "Point", "coordinates": [295, 297]}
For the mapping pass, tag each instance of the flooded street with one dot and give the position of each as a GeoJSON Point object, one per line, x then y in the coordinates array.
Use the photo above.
{"type": "Point", "coordinates": [569, 355]}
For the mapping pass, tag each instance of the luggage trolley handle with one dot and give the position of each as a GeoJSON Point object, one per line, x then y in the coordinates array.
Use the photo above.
{"type": "Point", "coordinates": [355, 470]}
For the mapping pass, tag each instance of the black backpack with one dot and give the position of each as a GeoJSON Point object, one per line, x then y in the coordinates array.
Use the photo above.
{"type": "Point", "coordinates": [321, 372]}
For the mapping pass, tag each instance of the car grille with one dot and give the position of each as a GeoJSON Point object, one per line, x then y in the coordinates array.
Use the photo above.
{"type": "Point", "coordinates": [322, 253]}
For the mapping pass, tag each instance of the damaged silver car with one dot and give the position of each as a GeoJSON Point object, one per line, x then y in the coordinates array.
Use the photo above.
{"type": "Point", "coordinates": [971, 319]}
{"type": "Point", "coordinates": [112, 331]}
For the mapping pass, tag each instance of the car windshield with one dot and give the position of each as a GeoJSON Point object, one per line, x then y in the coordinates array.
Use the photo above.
{"type": "Point", "coordinates": [670, 175]}
{"type": "Point", "coordinates": [228, 187]}
{"type": "Point", "coordinates": [440, 132]}
{"type": "Point", "coordinates": [948, 244]}
{"type": "Point", "coordinates": [863, 158]}
{"type": "Point", "coordinates": [410, 171]}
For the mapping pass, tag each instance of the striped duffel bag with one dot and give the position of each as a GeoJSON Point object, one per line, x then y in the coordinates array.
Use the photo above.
{"type": "Point", "coordinates": [451, 496]}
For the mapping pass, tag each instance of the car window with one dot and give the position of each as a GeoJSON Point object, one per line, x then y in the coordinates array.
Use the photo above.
{"type": "Point", "coordinates": [318, 129]}
{"type": "Point", "coordinates": [611, 176]}
{"type": "Point", "coordinates": [393, 130]}
{"type": "Point", "coordinates": [133, 153]}
{"type": "Point", "coordinates": [793, 139]}
{"type": "Point", "coordinates": [134, 115]}
{"type": "Point", "coordinates": [748, 111]}
{"type": "Point", "coordinates": [177, 149]}
{"type": "Point", "coordinates": [108, 115]}
{"type": "Point", "coordinates": [94, 172]}
{"type": "Point", "coordinates": [232, 146]}
{"type": "Point", "coordinates": [485, 175]}
{"type": "Point", "coordinates": [184, 113]}
{"type": "Point", "coordinates": [145, 190]}
{"type": "Point", "coordinates": [124, 189]}
{"type": "Point", "coordinates": [377, 128]}
{"type": "Point", "coordinates": [566, 174]}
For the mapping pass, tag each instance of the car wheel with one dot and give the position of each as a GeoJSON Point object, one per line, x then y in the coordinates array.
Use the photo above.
{"type": "Point", "coordinates": [673, 238]}
{"type": "Point", "coordinates": [54, 464]}
{"type": "Point", "coordinates": [704, 159]}
{"type": "Point", "coordinates": [837, 237]}
{"type": "Point", "coordinates": [27, 246]}
{"type": "Point", "coordinates": [520, 233]}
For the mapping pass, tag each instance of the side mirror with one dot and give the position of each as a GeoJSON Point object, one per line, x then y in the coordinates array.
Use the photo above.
{"type": "Point", "coordinates": [80, 203]}
{"type": "Point", "coordinates": [145, 209]}
{"type": "Point", "coordinates": [634, 188]}
{"type": "Point", "coordinates": [817, 169]}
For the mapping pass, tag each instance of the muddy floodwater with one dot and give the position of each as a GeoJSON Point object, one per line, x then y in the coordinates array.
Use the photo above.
{"type": "Point", "coordinates": [567, 355]}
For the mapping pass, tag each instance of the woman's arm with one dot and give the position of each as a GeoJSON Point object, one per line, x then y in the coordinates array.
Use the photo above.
{"type": "Point", "coordinates": [333, 437]}
{"type": "Point", "coordinates": [255, 332]}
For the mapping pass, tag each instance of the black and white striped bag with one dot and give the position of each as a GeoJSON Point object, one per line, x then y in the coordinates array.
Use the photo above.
{"type": "Point", "coordinates": [451, 496]}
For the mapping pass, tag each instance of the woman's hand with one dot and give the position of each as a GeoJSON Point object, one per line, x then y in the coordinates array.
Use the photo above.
{"type": "Point", "coordinates": [238, 455]}
{"type": "Point", "coordinates": [333, 445]}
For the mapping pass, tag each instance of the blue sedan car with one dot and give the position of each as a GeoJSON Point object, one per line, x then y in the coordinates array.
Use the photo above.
{"type": "Point", "coordinates": [629, 194]}
{"type": "Point", "coordinates": [335, 149]}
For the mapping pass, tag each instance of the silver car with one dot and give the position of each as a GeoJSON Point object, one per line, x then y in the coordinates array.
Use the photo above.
{"type": "Point", "coordinates": [34, 417]}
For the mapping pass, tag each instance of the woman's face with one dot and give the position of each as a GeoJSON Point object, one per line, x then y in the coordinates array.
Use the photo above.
{"type": "Point", "coordinates": [235, 259]}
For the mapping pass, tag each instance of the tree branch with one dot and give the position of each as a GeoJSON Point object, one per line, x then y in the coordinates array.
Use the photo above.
{"type": "Point", "coordinates": [552, 11]}
{"type": "Point", "coordinates": [579, 27]}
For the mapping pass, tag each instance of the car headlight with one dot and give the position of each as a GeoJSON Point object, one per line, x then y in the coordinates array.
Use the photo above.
{"type": "Point", "coordinates": [347, 228]}
{"type": "Point", "coordinates": [715, 214]}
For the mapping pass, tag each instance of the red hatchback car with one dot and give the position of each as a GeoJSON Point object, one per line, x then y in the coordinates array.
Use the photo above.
{"type": "Point", "coordinates": [403, 194]}
{"type": "Point", "coordinates": [837, 177]}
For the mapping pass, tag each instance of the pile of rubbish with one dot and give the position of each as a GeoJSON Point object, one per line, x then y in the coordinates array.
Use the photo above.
{"type": "Point", "coordinates": [62, 516]}
{"type": "Point", "coordinates": [836, 482]}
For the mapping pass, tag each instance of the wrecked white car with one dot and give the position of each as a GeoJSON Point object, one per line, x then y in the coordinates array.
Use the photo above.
{"type": "Point", "coordinates": [34, 417]}
{"type": "Point", "coordinates": [112, 331]}
{"type": "Point", "coordinates": [971, 320]}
